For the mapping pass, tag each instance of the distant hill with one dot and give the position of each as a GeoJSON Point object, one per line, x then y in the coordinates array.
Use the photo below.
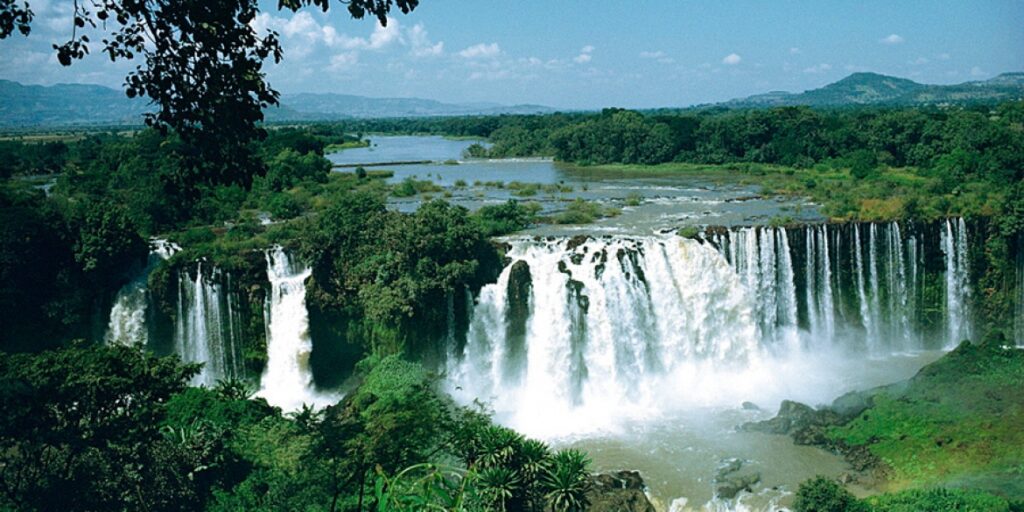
{"type": "Point", "coordinates": [68, 105]}
{"type": "Point", "coordinates": [876, 89]}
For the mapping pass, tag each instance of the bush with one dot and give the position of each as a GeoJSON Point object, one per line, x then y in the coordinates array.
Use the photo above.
{"type": "Point", "coordinates": [283, 206]}
{"type": "Point", "coordinates": [821, 494]}
{"type": "Point", "coordinates": [505, 218]}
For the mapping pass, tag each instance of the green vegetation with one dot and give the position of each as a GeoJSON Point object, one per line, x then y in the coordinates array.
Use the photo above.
{"type": "Point", "coordinates": [348, 144]}
{"type": "Point", "coordinates": [580, 211]}
{"type": "Point", "coordinates": [111, 428]}
{"type": "Point", "coordinates": [823, 495]}
{"type": "Point", "coordinates": [957, 420]}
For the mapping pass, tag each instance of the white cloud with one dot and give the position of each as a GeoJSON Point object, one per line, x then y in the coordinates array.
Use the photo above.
{"type": "Point", "coordinates": [891, 39]}
{"type": "Point", "coordinates": [820, 68]}
{"type": "Point", "coordinates": [732, 59]}
{"type": "Point", "coordinates": [343, 61]}
{"type": "Point", "coordinates": [421, 44]}
{"type": "Point", "coordinates": [943, 56]}
{"type": "Point", "coordinates": [977, 72]}
{"type": "Point", "coordinates": [919, 61]}
{"type": "Point", "coordinates": [794, 51]}
{"type": "Point", "coordinates": [652, 55]}
{"type": "Point", "coordinates": [481, 51]}
{"type": "Point", "coordinates": [584, 56]}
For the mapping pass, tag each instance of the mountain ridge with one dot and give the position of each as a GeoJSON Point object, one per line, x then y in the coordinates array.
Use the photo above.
{"type": "Point", "coordinates": [70, 105]}
{"type": "Point", "coordinates": [867, 88]}
{"type": "Point", "coordinates": [81, 105]}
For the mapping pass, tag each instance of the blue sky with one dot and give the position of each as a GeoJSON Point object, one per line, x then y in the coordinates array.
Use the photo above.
{"type": "Point", "coordinates": [589, 54]}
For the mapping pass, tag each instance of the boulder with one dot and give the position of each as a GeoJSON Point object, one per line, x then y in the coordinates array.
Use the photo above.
{"type": "Point", "coordinates": [618, 491]}
{"type": "Point", "coordinates": [805, 424]}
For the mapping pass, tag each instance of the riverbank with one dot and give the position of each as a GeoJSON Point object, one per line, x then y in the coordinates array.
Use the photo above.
{"type": "Point", "coordinates": [956, 423]}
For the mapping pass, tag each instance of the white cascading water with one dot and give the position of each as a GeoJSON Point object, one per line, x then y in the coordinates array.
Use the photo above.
{"type": "Point", "coordinates": [206, 326]}
{"type": "Point", "coordinates": [646, 310]}
{"type": "Point", "coordinates": [620, 327]}
{"type": "Point", "coordinates": [287, 380]}
{"type": "Point", "coordinates": [127, 325]}
{"type": "Point", "coordinates": [958, 292]}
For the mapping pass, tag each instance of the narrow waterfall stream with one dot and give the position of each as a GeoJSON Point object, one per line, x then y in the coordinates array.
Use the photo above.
{"type": "Point", "coordinates": [128, 323]}
{"type": "Point", "coordinates": [206, 328]}
{"type": "Point", "coordinates": [287, 381]}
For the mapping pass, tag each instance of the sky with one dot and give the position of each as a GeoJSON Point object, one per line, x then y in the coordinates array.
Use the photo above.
{"type": "Point", "coordinates": [582, 54]}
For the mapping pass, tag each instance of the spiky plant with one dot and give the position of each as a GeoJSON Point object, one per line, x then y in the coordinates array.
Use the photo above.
{"type": "Point", "coordinates": [499, 446]}
{"type": "Point", "coordinates": [567, 481]}
{"type": "Point", "coordinates": [497, 486]}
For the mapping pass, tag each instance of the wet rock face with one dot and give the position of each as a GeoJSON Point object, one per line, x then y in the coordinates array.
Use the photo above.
{"type": "Point", "coordinates": [618, 491]}
{"type": "Point", "coordinates": [734, 477]}
{"type": "Point", "coordinates": [520, 284]}
{"type": "Point", "coordinates": [805, 424]}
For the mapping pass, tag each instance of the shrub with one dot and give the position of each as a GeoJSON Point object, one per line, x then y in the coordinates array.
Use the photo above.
{"type": "Point", "coordinates": [821, 494]}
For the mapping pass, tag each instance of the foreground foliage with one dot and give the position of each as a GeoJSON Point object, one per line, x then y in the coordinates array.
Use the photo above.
{"type": "Point", "coordinates": [823, 495]}
{"type": "Point", "coordinates": [111, 428]}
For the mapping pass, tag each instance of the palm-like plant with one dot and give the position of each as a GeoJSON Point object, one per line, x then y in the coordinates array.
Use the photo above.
{"type": "Point", "coordinates": [498, 446]}
{"type": "Point", "coordinates": [497, 485]}
{"type": "Point", "coordinates": [567, 481]}
{"type": "Point", "coordinates": [534, 460]}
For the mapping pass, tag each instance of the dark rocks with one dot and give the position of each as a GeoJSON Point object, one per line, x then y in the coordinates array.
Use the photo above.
{"type": "Point", "coordinates": [805, 424]}
{"type": "Point", "coordinates": [750, 406]}
{"type": "Point", "coordinates": [618, 491]}
{"type": "Point", "coordinates": [733, 477]}
{"type": "Point", "coordinates": [576, 241]}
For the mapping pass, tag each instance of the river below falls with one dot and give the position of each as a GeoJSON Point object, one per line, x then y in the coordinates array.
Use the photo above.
{"type": "Point", "coordinates": [678, 452]}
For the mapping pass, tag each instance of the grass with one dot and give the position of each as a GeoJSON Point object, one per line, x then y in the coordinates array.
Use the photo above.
{"type": "Point", "coordinates": [959, 420]}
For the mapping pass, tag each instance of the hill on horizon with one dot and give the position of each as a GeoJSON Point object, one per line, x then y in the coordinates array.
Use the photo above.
{"type": "Point", "coordinates": [866, 88]}
{"type": "Point", "coordinates": [82, 105]}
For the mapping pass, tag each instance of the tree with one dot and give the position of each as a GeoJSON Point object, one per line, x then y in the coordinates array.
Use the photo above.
{"type": "Point", "coordinates": [80, 430]}
{"type": "Point", "coordinates": [202, 65]}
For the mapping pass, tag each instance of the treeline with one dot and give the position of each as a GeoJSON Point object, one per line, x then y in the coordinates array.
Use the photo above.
{"type": "Point", "coordinates": [980, 142]}
{"type": "Point", "coordinates": [112, 428]}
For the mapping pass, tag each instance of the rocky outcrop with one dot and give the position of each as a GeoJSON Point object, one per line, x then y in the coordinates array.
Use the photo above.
{"type": "Point", "coordinates": [805, 424]}
{"type": "Point", "coordinates": [734, 477]}
{"type": "Point", "coordinates": [809, 426]}
{"type": "Point", "coordinates": [618, 491]}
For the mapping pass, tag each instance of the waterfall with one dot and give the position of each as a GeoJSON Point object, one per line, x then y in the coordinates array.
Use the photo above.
{"type": "Point", "coordinates": [576, 327]}
{"type": "Point", "coordinates": [287, 381]}
{"type": "Point", "coordinates": [761, 257]}
{"type": "Point", "coordinates": [205, 329]}
{"type": "Point", "coordinates": [605, 319]}
{"type": "Point", "coordinates": [957, 291]}
{"type": "Point", "coordinates": [127, 325]}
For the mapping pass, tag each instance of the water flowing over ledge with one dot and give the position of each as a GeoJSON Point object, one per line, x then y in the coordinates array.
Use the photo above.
{"type": "Point", "coordinates": [287, 381]}
{"type": "Point", "coordinates": [579, 333]}
{"type": "Point", "coordinates": [595, 328]}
